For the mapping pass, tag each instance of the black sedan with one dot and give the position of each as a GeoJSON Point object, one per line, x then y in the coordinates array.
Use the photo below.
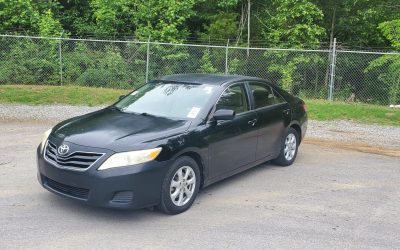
{"type": "Point", "coordinates": [160, 144]}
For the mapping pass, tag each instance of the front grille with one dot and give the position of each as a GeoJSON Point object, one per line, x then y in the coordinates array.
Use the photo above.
{"type": "Point", "coordinates": [81, 193]}
{"type": "Point", "coordinates": [77, 160]}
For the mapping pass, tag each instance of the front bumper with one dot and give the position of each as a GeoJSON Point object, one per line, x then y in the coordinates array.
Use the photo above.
{"type": "Point", "coordinates": [130, 187]}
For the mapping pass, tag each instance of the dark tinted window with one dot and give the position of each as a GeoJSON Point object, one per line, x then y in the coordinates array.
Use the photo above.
{"type": "Point", "coordinates": [264, 95]}
{"type": "Point", "coordinates": [234, 98]}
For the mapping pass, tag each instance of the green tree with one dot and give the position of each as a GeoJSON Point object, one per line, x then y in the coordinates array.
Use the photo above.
{"type": "Point", "coordinates": [387, 67]}
{"type": "Point", "coordinates": [113, 17]}
{"type": "Point", "coordinates": [355, 23]}
{"type": "Point", "coordinates": [293, 23]}
{"type": "Point", "coordinates": [223, 26]}
{"type": "Point", "coordinates": [391, 31]}
{"type": "Point", "coordinates": [206, 63]}
{"type": "Point", "coordinates": [49, 26]}
{"type": "Point", "coordinates": [18, 16]}
{"type": "Point", "coordinates": [76, 17]}
{"type": "Point", "coordinates": [163, 20]}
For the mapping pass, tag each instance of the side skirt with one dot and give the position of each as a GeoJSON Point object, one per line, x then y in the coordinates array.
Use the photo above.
{"type": "Point", "coordinates": [237, 171]}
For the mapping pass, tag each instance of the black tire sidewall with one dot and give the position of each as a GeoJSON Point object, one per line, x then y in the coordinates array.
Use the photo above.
{"type": "Point", "coordinates": [166, 204]}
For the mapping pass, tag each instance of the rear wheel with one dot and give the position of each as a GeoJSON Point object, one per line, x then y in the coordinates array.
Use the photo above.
{"type": "Point", "coordinates": [180, 187]}
{"type": "Point", "coordinates": [289, 148]}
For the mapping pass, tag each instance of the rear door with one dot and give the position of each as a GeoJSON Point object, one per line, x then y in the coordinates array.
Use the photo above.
{"type": "Point", "coordinates": [232, 144]}
{"type": "Point", "coordinates": [273, 115]}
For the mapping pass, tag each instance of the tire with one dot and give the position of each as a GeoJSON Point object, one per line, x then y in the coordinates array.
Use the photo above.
{"type": "Point", "coordinates": [180, 186]}
{"type": "Point", "coordinates": [287, 155]}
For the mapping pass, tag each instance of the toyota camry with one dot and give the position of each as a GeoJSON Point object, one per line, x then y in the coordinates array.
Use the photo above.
{"type": "Point", "coordinates": [160, 144]}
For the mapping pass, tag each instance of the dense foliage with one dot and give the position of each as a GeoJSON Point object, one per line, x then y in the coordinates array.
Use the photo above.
{"type": "Point", "coordinates": [296, 24]}
{"type": "Point", "coordinates": [272, 22]}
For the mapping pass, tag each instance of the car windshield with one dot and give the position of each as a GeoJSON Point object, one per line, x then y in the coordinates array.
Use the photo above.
{"type": "Point", "coordinates": [167, 99]}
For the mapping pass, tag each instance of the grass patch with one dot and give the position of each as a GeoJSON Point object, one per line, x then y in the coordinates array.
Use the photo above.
{"type": "Point", "coordinates": [72, 95]}
{"type": "Point", "coordinates": [86, 96]}
{"type": "Point", "coordinates": [365, 113]}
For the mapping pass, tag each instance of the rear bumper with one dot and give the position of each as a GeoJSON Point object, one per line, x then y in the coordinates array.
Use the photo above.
{"type": "Point", "coordinates": [130, 187]}
{"type": "Point", "coordinates": [304, 129]}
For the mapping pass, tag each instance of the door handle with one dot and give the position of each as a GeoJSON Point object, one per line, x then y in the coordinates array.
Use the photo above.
{"type": "Point", "coordinates": [286, 111]}
{"type": "Point", "coordinates": [252, 122]}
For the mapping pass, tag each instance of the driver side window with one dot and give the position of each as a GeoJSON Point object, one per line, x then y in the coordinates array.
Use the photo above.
{"type": "Point", "coordinates": [234, 98]}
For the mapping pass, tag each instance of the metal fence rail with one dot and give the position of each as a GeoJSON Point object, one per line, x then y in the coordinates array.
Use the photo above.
{"type": "Point", "coordinates": [363, 76]}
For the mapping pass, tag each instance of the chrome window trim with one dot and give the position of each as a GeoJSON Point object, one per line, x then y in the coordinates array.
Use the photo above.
{"type": "Point", "coordinates": [270, 106]}
{"type": "Point", "coordinates": [244, 89]}
{"type": "Point", "coordinates": [70, 168]}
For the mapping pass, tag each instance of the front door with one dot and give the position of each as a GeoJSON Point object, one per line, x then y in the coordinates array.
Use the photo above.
{"type": "Point", "coordinates": [232, 144]}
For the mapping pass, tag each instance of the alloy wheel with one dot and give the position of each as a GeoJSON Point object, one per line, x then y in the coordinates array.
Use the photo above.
{"type": "Point", "coordinates": [182, 185]}
{"type": "Point", "coordinates": [290, 146]}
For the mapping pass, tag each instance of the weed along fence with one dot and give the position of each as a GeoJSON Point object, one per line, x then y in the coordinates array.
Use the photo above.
{"type": "Point", "coordinates": [334, 74]}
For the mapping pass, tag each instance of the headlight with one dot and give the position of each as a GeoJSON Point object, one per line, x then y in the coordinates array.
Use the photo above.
{"type": "Point", "coordinates": [130, 158]}
{"type": "Point", "coordinates": [44, 139]}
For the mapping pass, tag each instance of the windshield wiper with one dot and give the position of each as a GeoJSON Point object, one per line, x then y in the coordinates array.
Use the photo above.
{"type": "Point", "coordinates": [117, 108]}
{"type": "Point", "coordinates": [147, 114]}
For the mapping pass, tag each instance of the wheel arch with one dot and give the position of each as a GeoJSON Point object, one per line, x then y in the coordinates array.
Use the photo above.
{"type": "Point", "coordinates": [296, 126]}
{"type": "Point", "coordinates": [198, 159]}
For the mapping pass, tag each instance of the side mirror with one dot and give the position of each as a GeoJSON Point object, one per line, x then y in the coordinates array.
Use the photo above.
{"type": "Point", "coordinates": [121, 97]}
{"type": "Point", "coordinates": [224, 114]}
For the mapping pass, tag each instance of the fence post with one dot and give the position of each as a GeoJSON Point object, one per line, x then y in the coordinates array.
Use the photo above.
{"type": "Point", "coordinates": [226, 58]}
{"type": "Point", "coordinates": [147, 59]}
{"type": "Point", "coordinates": [332, 71]}
{"type": "Point", "coordinates": [60, 58]}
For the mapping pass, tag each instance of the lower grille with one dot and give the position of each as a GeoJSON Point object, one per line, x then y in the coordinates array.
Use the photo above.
{"type": "Point", "coordinates": [81, 193]}
{"type": "Point", "coordinates": [123, 197]}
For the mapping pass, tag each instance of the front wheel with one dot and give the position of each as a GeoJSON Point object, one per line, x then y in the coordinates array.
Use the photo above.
{"type": "Point", "coordinates": [289, 148]}
{"type": "Point", "coordinates": [180, 187]}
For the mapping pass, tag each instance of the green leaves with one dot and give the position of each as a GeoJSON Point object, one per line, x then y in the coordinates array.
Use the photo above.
{"type": "Point", "coordinates": [391, 31]}
{"type": "Point", "coordinates": [294, 23]}
{"type": "Point", "coordinates": [224, 25]}
{"type": "Point", "coordinates": [112, 17]}
{"type": "Point", "coordinates": [275, 23]}
{"type": "Point", "coordinates": [17, 15]}
{"type": "Point", "coordinates": [387, 67]}
{"type": "Point", "coordinates": [163, 20]}
{"type": "Point", "coordinates": [48, 25]}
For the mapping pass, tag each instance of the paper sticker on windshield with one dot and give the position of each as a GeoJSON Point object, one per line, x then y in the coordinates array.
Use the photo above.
{"type": "Point", "coordinates": [193, 112]}
{"type": "Point", "coordinates": [208, 89]}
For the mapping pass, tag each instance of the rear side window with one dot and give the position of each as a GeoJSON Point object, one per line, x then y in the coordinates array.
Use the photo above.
{"type": "Point", "coordinates": [264, 95]}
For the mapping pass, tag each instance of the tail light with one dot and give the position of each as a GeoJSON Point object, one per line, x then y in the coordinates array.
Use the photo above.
{"type": "Point", "coordinates": [304, 107]}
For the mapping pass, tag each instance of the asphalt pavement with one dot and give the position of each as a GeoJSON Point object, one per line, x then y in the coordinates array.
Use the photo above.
{"type": "Point", "coordinates": [329, 199]}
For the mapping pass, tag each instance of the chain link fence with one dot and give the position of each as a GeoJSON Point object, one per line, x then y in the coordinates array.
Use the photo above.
{"type": "Point", "coordinates": [352, 76]}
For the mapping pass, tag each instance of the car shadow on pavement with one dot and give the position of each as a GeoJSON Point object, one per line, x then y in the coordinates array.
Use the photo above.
{"type": "Point", "coordinates": [225, 183]}
{"type": "Point", "coordinates": [74, 208]}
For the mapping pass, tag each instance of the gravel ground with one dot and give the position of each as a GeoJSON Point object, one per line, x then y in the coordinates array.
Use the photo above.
{"type": "Point", "coordinates": [52, 113]}
{"type": "Point", "coordinates": [328, 199]}
{"type": "Point", "coordinates": [349, 131]}
{"type": "Point", "coordinates": [342, 131]}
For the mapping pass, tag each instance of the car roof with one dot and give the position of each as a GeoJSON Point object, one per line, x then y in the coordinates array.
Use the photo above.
{"type": "Point", "coordinates": [215, 79]}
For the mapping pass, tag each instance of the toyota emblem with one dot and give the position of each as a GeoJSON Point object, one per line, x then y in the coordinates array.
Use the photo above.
{"type": "Point", "coordinates": [63, 149]}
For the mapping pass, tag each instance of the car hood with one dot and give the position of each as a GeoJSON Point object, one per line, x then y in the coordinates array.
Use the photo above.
{"type": "Point", "coordinates": [112, 129]}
